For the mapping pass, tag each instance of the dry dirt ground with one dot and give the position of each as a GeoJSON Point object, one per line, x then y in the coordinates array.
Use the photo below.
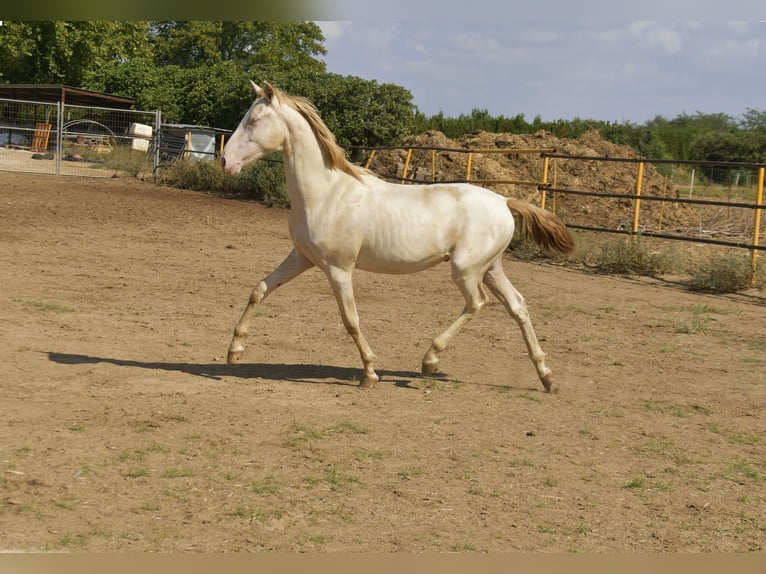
{"type": "Point", "coordinates": [123, 429]}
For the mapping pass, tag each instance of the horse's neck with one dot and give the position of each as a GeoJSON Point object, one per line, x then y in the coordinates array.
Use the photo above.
{"type": "Point", "coordinates": [309, 180]}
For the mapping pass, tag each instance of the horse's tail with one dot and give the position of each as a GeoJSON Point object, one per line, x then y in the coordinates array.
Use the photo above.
{"type": "Point", "coordinates": [545, 229]}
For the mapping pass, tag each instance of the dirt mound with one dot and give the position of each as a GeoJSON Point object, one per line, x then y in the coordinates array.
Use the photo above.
{"type": "Point", "coordinates": [575, 174]}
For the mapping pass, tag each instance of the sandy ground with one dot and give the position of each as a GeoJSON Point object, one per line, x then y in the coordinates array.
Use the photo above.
{"type": "Point", "coordinates": [124, 430]}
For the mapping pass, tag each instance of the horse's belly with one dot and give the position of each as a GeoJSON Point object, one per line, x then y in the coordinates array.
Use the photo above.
{"type": "Point", "coordinates": [403, 262]}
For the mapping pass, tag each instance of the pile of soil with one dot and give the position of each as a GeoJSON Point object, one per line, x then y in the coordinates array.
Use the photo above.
{"type": "Point", "coordinates": [575, 174]}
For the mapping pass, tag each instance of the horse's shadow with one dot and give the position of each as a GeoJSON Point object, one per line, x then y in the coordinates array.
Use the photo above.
{"type": "Point", "coordinates": [321, 374]}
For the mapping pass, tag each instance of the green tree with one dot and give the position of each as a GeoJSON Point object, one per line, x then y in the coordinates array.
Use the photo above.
{"type": "Point", "coordinates": [61, 52]}
{"type": "Point", "coordinates": [153, 87]}
{"type": "Point", "coordinates": [754, 120]}
{"type": "Point", "coordinates": [252, 44]}
{"type": "Point", "coordinates": [363, 112]}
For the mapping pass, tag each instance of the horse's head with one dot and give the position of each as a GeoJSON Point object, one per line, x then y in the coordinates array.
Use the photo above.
{"type": "Point", "coordinates": [260, 132]}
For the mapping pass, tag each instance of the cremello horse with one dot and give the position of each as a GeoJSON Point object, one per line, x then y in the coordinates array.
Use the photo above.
{"type": "Point", "coordinates": [342, 218]}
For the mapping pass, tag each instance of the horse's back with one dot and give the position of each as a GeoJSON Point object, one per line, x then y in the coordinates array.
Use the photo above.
{"type": "Point", "coordinates": [413, 227]}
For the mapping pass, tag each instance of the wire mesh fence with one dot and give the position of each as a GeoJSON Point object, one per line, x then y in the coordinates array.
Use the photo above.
{"type": "Point", "coordinates": [62, 139]}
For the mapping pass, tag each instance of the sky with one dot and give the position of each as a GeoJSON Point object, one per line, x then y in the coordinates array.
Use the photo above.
{"type": "Point", "coordinates": [558, 59]}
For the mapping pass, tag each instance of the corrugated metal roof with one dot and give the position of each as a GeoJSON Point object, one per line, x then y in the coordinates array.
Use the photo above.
{"type": "Point", "coordinates": [65, 94]}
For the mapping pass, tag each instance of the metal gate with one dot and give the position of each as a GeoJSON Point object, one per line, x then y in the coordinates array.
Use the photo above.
{"type": "Point", "coordinates": [61, 139]}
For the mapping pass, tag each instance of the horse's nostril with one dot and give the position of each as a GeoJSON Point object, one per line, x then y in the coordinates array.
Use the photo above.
{"type": "Point", "coordinates": [223, 161]}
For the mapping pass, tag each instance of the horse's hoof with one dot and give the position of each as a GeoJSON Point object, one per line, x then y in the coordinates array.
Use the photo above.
{"type": "Point", "coordinates": [233, 357]}
{"type": "Point", "coordinates": [368, 382]}
{"type": "Point", "coordinates": [549, 385]}
{"type": "Point", "coordinates": [429, 368]}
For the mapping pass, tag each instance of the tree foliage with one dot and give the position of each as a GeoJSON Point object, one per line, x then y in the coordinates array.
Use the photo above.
{"type": "Point", "coordinates": [56, 52]}
{"type": "Point", "coordinates": [251, 44]}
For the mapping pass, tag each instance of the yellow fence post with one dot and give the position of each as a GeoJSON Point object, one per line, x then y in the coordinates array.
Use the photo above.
{"type": "Point", "coordinates": [637, 204]}
{"type": "Point", "coordinates": [756, 226]}
{"type": "Point", "coordinates": [468, 167]}
{"type": "Point", "coordinates": [406, 165]}
{"type": "Point", "coordinates": [546, 163]}
{"type": "Point", "coordinates": [369, 159]}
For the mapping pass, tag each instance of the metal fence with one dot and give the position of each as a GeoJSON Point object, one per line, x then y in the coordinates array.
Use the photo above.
{"type": "Point", "coordinates": [62, 139]}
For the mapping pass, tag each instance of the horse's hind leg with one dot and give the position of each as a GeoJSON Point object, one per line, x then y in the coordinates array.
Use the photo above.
{"type": "Point", "coordinates": [475, 299]}
{"type": "Point", "coordinates": [498, 283]}
{"type": "Point", "coordinates": [293, 265]}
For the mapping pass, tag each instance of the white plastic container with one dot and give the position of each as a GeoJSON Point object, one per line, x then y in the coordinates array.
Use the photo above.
{"type": "Point", "coordinates": [140, 131]}
{"type": "Point", "coordinates": [139, 144]}
{"type": "Point", "coordinates": [140, 134]}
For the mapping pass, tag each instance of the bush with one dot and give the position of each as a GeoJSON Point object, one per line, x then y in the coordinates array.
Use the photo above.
{"type": "Point", "coordinates": [721, 274]}
{"type": "Point", "coordinates": [264, 181]}
{"type": "Point", "coordinates": [631, 257]}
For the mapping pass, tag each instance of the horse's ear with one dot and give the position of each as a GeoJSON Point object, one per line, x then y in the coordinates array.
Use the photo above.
{"type": "Point", "coordinates": [268, 90]}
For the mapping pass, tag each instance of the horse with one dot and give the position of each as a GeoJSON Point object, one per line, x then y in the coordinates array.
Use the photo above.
{"type": "Point", "coordinates": [343, 217]}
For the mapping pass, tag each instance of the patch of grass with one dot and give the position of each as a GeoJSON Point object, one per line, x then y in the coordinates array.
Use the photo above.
{"type": "Point", "coordinates": [125, 159]}
{"type": "Point", "coordinates": [694, 325]}
{"type": "Point", "coordinates": [81, 539]}
{"type": "Point", "coordinates": [440, 384]}
{"type": "Point", "coordinates": [174, 417]}
{"type": "Point", "coordinates": [665, 409]}
{"type": "Point", "coordinates": [176, 473]}
{"type": "Point", "coordinates": [723, 273]}
{"type": "Point", "coordinates": [268, 485]}
{"type": "Point", "coordinates": [409, 473]}
{"type": "Point", "coordinates": [46, 306]}
{"type": "Point", "coordinates": [360, 455]}
{"type": "Point", "coordinates": [137, 473]}
{"type": "Point", "coordinates": [550, 481]}
{"type": "Point", "coordinates": [313, 539]}
{"type": "Point", "coordinates": [707, 310]}
{"type": "Point", "coordinates": [335, 478]}
{"type": "Point", "coordinates": [735, 436]}
{"type": "Point", "coordinates": [347, 428]}
{"type": "Point", "coordinates": [259, 514]}
{"type": "Point", "coordinates": [757, 343]}
{"type": "Point", "coordinates": [746, 469]}
{"type": "Point", "coordinates": [463, 547]}
{"type": "Point", "coordinates": [299, 434]}
{"type": "Point", "coordinates": [637, 482]}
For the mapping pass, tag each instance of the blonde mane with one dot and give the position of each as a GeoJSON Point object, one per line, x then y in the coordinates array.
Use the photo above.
{"type": "Point", "coordinates": [334, 155]}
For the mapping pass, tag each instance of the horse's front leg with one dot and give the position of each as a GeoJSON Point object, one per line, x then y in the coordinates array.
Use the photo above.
{"type": "Point", "coordinates": [293, 265]}
{"type": "Point", "coordinates": [342, 287]}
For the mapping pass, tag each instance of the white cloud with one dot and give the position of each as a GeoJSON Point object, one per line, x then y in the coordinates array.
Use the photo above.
{"type": "Point", "coordinates": [478, 46]}
{"type": "Point", "coordinates": [650, 34]}
{"type": "Point", "coordinates": [333, 30]}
